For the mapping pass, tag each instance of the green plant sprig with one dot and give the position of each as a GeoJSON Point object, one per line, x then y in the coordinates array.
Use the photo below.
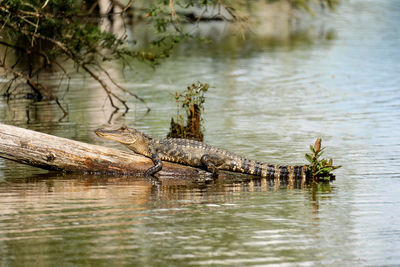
{"type": "Point", "coordinates": [320, 169]}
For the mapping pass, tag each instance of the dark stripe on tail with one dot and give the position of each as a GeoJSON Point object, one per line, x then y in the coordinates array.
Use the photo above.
{"type": "Point", "coordinates": [258, 169]}
{"type": "Point", "coordinates": [271, 170]}
{"type": "Point", "coordinates": [298, 171]}
{"type": "Point", "coordinates": [283, 173]}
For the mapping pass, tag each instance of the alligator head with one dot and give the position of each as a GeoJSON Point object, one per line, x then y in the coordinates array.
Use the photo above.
{"type": "Point", "coordinates": [124, 135]}
{"type": "Point", "coordinates": [133, 139]}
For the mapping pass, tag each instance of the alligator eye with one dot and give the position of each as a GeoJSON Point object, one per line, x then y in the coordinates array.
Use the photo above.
{"type": "Point", "coordinates": [123, 128]}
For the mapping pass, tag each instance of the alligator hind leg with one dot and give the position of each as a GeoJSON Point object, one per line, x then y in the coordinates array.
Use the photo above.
{"type": "Point", "coordinates": [210, 163]}
{"type": "Point", "coordinates": [157, 165]}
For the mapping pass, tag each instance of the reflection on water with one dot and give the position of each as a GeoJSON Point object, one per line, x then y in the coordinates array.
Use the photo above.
{"type": "Point", "coordinates": [269, 103]}
{"type": "Point", "coordinates": [125, 220]}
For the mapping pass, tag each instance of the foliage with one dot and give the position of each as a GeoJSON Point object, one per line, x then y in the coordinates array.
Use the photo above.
{"type": "Point", "coordinates": [320, 168]}
{"type": "Point", "coordinates": [193, 96]}
{"type": "Point", "coordinates": [49, 33]}
{"type": "Point", "coordinates": [190, 103]}
{"type": "Point", "coordinates": [44, 35]}
{"type": "Point", "coordinates": [307, 5]}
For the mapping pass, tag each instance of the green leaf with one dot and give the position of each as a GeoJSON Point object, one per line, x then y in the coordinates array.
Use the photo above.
{"type": "Point", "coordinates": [309, 158]}
{"type": "Point", "coordinates": [336, 167]}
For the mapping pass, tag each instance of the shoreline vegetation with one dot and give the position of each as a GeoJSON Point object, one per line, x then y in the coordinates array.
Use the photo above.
{"type": "Point", "coordinates": [45, 36]}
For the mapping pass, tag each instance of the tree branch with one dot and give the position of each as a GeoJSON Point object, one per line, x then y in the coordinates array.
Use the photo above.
{"type": "Point", "coordinates": [77, 61]}
{"type": "Point", "coordinates": [123, 89]}
{"type": "Point", "coordinates": [41, 89]}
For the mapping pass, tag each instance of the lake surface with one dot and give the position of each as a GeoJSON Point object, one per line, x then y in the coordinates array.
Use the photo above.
{"type": "Point", "coordinates": [340, 80]}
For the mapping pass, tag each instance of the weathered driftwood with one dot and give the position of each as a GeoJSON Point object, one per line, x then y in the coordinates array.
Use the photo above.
{"type": "Point", "coordinates": [56, 153]}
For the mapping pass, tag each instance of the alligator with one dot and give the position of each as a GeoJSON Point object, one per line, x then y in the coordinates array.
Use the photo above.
{"type": "Point", "coordinates": [197, 154]}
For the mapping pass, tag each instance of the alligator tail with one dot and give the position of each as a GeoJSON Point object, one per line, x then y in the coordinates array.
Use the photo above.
{"type": "Point", "coordinates": [278, 172]}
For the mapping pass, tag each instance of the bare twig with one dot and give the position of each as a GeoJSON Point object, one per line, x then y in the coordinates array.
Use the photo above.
{"type": "Point", "coordinates": [124, 89]}
{"type": "Point", "coordinates": [172, 10]}
{"type": "Point", "coordinates": [35, 86]}
{"type": "Point", "coordinates": [92, 8]}
{"type": "Point", "coordinates": [127, 6]}
{"type": "Point", "coordinates": [36, 27]}
{"type": "Point", "coordinates": [45, 4]}
{"type": "Point", "coordinates": [101, 82]}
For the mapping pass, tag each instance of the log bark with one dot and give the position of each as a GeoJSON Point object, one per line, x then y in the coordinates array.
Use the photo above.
{"type": "Point", "coordinates": [56, 153]}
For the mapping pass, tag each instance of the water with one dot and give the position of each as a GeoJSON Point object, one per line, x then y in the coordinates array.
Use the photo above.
{"type": "Point", "coordinates": [269, 103]}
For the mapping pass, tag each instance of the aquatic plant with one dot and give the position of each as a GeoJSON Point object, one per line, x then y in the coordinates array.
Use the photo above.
{"type": "Point", "coordinates": [320, 169]}
{"type": "Point", "coordinates": [190, 103]}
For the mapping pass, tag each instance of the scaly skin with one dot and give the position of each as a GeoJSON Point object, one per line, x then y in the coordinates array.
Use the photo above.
{"type": "Point", "coordinates": [197, 154]}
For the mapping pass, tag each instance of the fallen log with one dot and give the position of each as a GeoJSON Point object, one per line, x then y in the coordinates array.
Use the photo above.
{"type": "Point", "coordinates": [60, 154]}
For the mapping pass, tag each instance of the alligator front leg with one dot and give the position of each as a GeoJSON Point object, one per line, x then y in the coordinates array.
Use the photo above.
{"type": "Point", "coordinates": [157, 165]}
{"type": "Point", "coordinates": [210, 163]}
